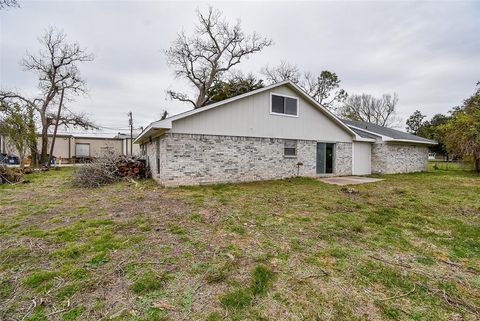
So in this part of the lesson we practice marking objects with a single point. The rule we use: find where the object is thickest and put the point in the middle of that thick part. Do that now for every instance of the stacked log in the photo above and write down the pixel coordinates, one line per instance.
(131, 167)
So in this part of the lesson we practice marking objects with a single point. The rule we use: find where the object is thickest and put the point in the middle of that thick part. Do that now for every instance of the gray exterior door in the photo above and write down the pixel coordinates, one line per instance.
(325, 157)
(321, 149)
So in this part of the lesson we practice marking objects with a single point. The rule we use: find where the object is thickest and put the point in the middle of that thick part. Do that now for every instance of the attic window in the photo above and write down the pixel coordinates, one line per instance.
(283, 105)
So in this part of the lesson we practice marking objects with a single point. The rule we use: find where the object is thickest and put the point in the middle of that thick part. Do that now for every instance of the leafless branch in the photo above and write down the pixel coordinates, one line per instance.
(9, 4)
(72, 119)
(365, 107)
(180, 97)
(324, 88)
(215, 47)
(284, 71)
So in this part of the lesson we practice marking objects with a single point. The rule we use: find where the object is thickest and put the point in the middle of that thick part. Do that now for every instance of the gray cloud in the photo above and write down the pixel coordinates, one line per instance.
(427, 52)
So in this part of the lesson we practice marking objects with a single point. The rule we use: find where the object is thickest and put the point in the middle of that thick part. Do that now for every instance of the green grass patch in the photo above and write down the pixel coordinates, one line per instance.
(6, 289)
(39, 278)
(148, 282)
(261, 282)
(73, 314)
(237, 299)
(98, 260)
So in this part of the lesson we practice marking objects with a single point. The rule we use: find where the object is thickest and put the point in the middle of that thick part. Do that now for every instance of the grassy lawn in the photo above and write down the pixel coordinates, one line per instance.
(407, 248)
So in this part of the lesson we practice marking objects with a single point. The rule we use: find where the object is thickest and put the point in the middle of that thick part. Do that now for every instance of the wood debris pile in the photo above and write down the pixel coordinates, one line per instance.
(131, 167)
(109, 169)
(10, 175)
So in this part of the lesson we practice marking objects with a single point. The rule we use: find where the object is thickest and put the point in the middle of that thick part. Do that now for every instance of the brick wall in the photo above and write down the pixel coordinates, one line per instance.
(188, 159)
(388, 158)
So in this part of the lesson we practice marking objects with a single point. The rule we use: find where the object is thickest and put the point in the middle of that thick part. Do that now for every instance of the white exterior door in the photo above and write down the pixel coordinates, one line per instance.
(82, 150)
(362, 158)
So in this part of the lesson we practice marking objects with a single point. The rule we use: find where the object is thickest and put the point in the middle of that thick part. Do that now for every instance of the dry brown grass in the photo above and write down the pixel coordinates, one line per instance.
(407, 248)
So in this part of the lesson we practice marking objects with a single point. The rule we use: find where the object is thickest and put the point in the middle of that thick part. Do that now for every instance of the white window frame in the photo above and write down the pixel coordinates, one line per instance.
(283, 114)
(296, 148)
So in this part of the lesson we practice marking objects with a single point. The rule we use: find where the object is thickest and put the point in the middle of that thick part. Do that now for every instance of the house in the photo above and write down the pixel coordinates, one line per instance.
(270, 133)
(70, 147)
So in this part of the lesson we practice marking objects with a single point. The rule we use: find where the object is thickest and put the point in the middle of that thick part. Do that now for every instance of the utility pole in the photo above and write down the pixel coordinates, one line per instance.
(130, 122)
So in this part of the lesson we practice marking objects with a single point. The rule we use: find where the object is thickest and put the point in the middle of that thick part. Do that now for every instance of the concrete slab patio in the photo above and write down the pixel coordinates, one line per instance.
(349, 180)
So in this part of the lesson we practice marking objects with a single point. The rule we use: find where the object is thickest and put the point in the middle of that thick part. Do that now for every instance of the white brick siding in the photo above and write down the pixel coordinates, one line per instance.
(188, 159)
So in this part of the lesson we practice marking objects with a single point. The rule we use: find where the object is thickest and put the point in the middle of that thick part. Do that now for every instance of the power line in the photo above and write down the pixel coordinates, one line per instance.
(87, 133)
(115, 128)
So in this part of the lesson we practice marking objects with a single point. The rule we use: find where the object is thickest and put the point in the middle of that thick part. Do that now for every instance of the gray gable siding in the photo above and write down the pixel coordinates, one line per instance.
(251, 117)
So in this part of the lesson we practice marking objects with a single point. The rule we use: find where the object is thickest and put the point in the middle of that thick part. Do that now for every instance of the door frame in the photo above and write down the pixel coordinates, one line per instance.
(334, 157)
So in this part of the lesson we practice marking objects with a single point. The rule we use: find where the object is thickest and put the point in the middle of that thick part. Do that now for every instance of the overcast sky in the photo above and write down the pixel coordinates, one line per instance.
(427, 52)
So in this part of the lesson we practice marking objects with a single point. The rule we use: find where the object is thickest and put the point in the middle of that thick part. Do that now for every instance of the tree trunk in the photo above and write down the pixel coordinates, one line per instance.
(43, 153)
(22, 161)
(52, 144)
(201, 98)
(32, 138)
(477, 164)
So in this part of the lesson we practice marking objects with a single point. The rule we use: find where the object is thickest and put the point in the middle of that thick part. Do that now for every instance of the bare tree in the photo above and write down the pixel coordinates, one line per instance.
(324, 88)
(8, 4)
(213, 49)
(284, 71)
(56, 66)
(365, 107)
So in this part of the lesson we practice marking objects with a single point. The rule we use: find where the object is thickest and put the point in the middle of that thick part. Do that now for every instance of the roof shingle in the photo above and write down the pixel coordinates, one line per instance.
(384, 131)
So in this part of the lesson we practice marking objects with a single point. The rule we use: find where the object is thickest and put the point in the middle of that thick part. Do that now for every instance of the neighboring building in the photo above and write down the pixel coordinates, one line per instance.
(128, 146)
(70, 148)
(271, 133)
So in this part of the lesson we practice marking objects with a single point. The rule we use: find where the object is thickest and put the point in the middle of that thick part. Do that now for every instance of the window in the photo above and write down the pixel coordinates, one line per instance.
(284, 105)
(290, 148)
(143, 150)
